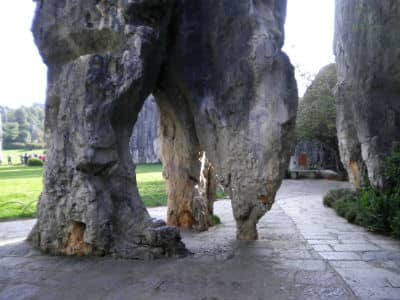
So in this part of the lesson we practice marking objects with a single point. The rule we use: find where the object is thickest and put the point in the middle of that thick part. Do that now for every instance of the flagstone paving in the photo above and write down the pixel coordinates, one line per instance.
(304, 251)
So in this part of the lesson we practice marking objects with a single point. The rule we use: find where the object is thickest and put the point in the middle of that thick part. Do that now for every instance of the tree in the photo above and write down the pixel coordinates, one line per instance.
(10, 132)
(316, 118)
(21, 116)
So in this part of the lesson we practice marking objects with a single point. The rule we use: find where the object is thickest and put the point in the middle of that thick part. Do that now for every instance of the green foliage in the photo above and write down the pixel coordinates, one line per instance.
(23, 125)
(377, 210)
(32, 162)
(316, 117)
(215, 220)
(14, 145)
(24, 136)
(392, 172)
(331, 196)
(10, 132)
(33, 146)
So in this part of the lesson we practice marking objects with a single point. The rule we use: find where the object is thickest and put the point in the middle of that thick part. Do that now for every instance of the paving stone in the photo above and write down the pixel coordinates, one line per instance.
(350, 264)
(386, 293)
(305, 251)
(340, 255)
(355, 247)
(323, 242)
(320, 248)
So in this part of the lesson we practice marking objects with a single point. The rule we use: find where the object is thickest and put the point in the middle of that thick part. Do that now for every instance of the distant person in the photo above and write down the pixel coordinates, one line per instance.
(26, 159)
(9, 160)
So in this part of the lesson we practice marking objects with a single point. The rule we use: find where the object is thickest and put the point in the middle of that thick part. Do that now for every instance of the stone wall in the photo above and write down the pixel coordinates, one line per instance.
(367, 49)
(144, 144)
(318, 156)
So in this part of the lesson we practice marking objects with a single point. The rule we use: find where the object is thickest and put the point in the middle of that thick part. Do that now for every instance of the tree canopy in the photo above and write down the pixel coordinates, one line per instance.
(23, 127)
(316, 118)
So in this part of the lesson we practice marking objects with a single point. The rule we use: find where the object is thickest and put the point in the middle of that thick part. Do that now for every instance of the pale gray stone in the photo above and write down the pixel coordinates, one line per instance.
(222, 84)
(368, 98)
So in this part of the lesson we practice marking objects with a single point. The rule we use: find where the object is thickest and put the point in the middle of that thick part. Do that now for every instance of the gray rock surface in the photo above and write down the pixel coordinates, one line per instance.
(319, 156)
(223, 86)
(367, 49)
(144, 144)
(228, 89)
(103, 61)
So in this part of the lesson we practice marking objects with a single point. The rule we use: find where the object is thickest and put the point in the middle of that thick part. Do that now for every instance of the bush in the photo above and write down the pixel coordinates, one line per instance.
(34, 162)
(14, 146)
(333, 195)
(34, 146)
(377, 210)
(215, 220)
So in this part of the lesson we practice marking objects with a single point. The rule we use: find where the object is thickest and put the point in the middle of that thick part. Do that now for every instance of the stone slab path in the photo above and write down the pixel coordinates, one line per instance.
(304, 252)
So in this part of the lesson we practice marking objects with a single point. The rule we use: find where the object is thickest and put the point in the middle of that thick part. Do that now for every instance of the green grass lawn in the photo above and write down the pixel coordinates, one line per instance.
(20, 187)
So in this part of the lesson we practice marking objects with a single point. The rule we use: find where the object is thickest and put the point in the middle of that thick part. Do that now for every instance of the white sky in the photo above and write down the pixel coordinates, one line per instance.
(309, 36)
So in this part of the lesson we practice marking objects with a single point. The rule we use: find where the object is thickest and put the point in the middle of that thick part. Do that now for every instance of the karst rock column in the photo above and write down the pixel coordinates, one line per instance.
(103, 60)
(367, 49)
(231, 91)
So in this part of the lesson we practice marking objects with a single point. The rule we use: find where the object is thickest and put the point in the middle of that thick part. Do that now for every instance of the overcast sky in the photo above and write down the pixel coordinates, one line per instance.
(309, 35)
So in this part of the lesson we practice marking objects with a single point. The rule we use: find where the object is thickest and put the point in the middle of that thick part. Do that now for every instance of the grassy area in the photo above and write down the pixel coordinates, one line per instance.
(16, 154)
(20, 187)
(151, 185)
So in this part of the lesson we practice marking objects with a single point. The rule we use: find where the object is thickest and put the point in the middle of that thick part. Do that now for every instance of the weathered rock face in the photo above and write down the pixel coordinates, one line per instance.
(318, 156)
(367, 49)
(103, 59)
(222, 84)
(227, 89)
(144, 144)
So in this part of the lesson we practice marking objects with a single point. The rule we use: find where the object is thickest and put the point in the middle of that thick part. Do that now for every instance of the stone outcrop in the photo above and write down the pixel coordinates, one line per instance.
(103, 60)
(227, 89)
(317, 156)
(368, 94)
(223, 87)
(144, 144)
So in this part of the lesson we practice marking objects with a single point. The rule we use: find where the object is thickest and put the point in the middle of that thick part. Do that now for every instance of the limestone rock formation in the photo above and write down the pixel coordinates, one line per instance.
(223, 86)
(144, 144)
(318, 156)
(367, 49)
(228, 89)
(103, 59)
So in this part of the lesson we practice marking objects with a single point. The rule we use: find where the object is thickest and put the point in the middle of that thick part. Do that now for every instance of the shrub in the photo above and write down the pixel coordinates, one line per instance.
(13, 146)
(215, 220)
(34, 162)
(34, 146)
(334, 195)
(377, 210)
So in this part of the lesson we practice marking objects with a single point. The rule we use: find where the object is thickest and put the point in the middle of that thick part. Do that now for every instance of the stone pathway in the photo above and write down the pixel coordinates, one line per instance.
(305, 252)
(369, 263)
